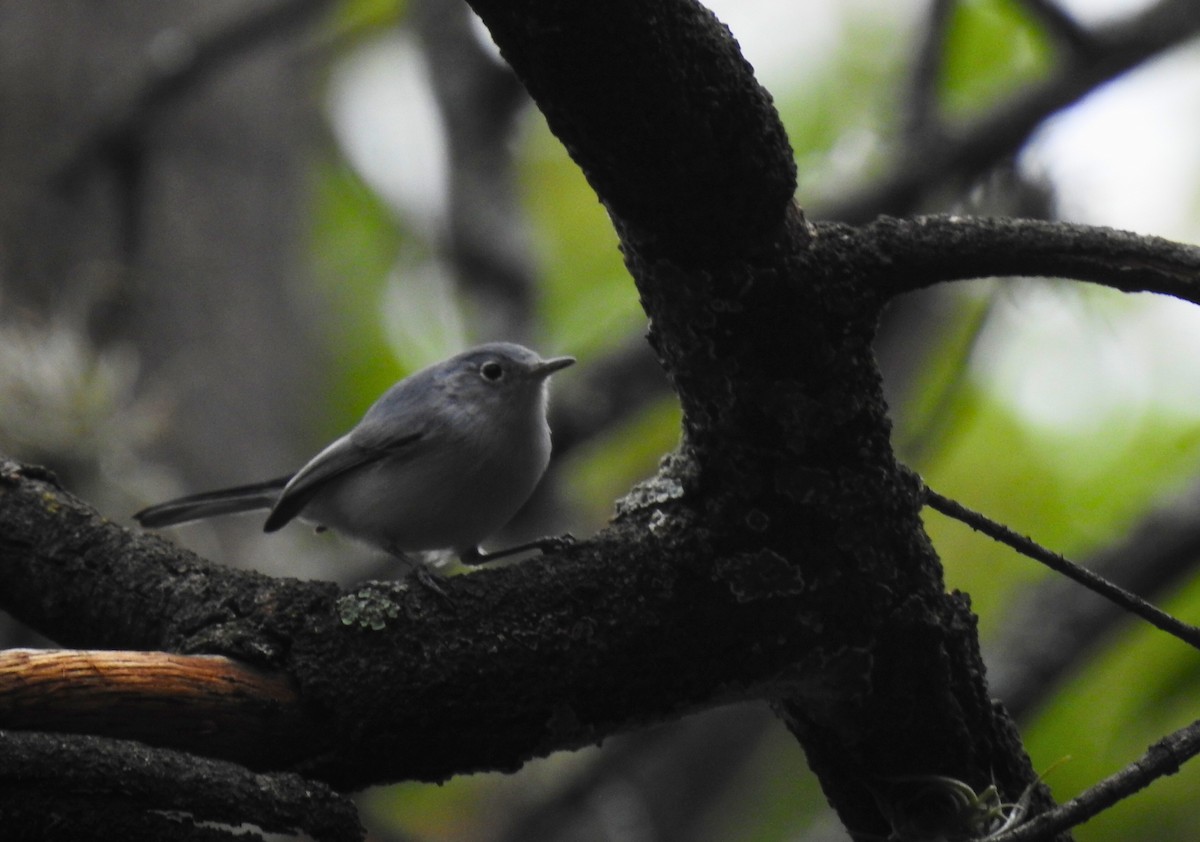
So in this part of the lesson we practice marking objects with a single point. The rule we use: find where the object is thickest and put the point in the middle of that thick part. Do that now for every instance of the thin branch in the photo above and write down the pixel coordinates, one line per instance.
(72, 765)
(1163, 758)
(1048, 632)
(926, 250)
(1130, 602)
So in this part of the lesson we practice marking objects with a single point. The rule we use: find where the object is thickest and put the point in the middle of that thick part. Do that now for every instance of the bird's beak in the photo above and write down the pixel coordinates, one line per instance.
(547, 367)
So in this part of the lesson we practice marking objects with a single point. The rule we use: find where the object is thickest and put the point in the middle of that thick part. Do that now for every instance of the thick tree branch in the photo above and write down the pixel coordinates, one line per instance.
(768, 346)
(203, 704)
(635, 627)
(664, 116)
(101, 775)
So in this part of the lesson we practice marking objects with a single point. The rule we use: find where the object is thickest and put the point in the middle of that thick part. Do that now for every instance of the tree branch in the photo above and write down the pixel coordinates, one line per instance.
(1163, 758)
(1097, 584)
(1051, 628)
(631, 628)
(662, 113)
(102, 774)
(778, 553)
(766, 337)
(927, 250)
(203, 704)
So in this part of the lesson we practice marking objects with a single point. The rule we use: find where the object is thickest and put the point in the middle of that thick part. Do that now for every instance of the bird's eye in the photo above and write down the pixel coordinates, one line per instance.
(491, 371)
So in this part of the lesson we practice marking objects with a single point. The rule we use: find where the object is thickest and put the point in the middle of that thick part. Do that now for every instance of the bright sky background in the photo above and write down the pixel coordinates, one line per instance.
(1128, 157)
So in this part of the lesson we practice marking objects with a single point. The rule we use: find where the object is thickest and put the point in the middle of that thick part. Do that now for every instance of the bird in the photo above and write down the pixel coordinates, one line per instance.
(441, 461)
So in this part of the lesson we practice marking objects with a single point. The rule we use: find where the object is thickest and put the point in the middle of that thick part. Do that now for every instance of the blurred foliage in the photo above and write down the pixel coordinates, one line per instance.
(1022, 476)
(589, 303)
(1143, 686)
(1075, 491)
(1071, 490)
(366, 15)
(606, 467)
(356, 242)
(841, 117)
(776, 798)
(993, 48)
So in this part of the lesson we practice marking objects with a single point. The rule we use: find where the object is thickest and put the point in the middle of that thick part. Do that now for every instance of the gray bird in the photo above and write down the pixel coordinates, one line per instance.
(441, 461)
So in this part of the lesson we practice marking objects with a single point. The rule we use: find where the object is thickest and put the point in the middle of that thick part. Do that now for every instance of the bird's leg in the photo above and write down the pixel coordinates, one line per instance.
(429, 581)
(475, 556)
(418, 570)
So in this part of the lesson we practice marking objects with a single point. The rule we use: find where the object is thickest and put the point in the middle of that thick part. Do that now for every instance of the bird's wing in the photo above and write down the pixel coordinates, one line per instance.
(348, 453)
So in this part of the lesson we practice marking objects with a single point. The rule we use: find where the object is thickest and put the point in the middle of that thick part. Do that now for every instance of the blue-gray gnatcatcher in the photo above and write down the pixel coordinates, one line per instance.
(442, 460)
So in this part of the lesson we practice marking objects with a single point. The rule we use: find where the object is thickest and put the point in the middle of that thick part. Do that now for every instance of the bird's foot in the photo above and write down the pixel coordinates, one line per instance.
(552, 543)
(431, 582)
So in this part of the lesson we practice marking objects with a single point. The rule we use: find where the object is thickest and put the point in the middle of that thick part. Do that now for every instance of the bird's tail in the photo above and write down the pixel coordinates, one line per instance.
(244, 498)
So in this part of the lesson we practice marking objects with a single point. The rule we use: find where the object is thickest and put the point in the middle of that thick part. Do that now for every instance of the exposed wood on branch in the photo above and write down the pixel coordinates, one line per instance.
(205, 704)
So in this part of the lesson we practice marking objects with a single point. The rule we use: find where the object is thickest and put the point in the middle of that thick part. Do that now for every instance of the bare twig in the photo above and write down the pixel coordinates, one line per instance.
(1161, 759)
(1130, 602)
(1048, 631)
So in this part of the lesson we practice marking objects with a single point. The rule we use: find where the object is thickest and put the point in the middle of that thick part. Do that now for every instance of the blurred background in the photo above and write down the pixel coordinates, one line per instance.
(227, 226)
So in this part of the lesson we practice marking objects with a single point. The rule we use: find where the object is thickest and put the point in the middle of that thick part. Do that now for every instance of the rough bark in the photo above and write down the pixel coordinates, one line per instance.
(777, 554)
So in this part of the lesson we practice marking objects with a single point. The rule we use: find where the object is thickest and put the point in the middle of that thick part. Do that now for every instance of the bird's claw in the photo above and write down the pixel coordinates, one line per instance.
(429, 582)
